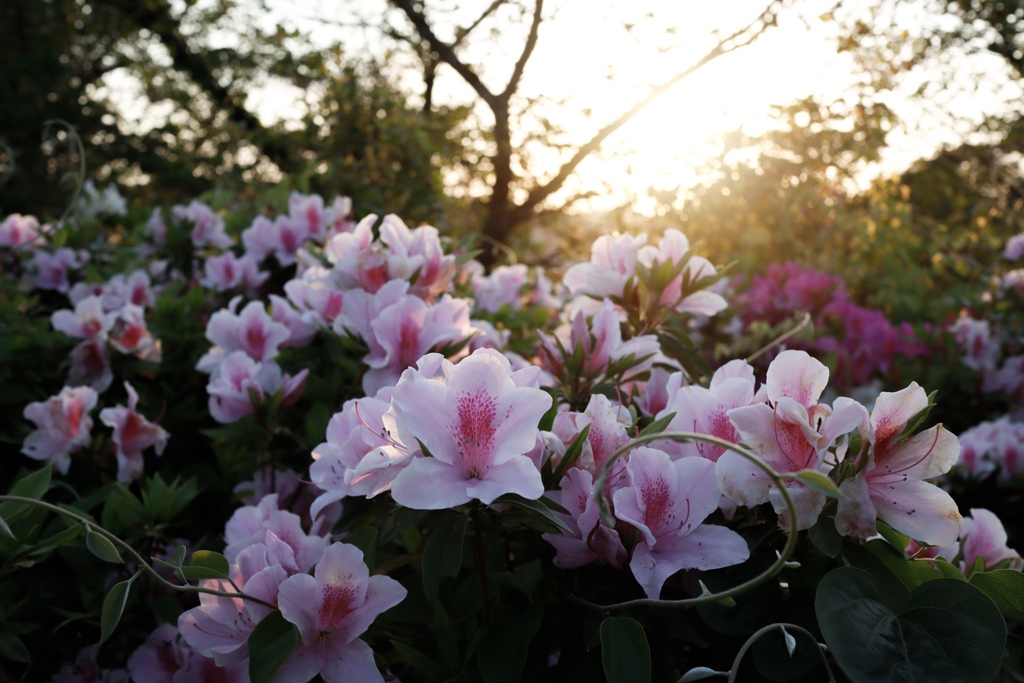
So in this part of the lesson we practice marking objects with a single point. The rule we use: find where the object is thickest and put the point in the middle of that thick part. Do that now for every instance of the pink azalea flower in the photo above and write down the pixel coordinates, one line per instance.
(129, 333)
(16, 230)
(62, 426)
(705, 411)
(358, 260)
(332, 609)
(590, 539)
(260, 238)
(291, 496)
(354, 433)
(658, 390)
(302, 326)
(984, 536)
(227, 271)
(791, 432)
(1014, 248)
(90, 364)
(230, 385)
(317, 295)
(318, 220)
(607, 434)
(667, 501)
(208, 225)
(50, 271)
(417, 252)
(892, 485)
(612, 264)
(980, 348)
(499, 288)
(252, 331)
(601, 344)
(543, 293)
(89, 320)
(279, 530)
(166, 658)
(132, 434)
(672, 248)
(220, 626)
(478, 421)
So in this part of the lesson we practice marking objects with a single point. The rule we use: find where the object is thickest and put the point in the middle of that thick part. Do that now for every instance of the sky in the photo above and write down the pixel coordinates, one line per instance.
(589, 66)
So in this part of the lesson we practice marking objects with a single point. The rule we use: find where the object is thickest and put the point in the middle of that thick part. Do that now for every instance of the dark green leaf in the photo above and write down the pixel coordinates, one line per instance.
(658, 425)
(32, 486)
(1005, 587)
(442, 554)
(101, 546)
(419, 661)
(365, 538)
(11, 646)
(269, 644)
(534, 507)
(5, 531)
(947, 630)
(572, 453)
(447, 641)
(207, 564)
(113, 606)
(625, 654)
(825, 537)
(504, 650)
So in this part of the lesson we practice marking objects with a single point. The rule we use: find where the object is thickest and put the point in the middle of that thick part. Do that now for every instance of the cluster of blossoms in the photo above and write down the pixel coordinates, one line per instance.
(993, 446)
(63, 428)
(645, 466)
(864, 341)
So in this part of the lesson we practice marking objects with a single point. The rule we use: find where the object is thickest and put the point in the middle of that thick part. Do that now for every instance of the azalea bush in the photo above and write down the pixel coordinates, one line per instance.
(299, 444)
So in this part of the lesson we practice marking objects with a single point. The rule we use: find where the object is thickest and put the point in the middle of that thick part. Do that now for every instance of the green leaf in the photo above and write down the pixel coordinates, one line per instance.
(101, 546)
(1005, 587)
(701, 673)
(207, 564)
(534, 507)
(447, 641)
(11, 646)
(824, 536)
(5, 531)
(895, 538)
(442, 554)
(505, 648)
(270, 644)
(365, 538)
(947, 630)
(658, 425)
(572, 453)
(625, 654)
(32, 486)
(813, 479)
(113, 606)
(427, 666)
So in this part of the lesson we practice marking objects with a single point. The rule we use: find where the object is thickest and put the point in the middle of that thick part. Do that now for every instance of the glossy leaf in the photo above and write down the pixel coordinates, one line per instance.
(270, 644)
(625, 654)
(32, 486)
(101, 546)
(947, 630)
(1005, 587)
(442, 554)
(207, 564)
(113, 606)
(534, 507)
(817, 481)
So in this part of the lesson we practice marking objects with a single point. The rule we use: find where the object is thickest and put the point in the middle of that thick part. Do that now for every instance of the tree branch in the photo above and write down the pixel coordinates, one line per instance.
(531, 42)
(741, 38)
(445, 51)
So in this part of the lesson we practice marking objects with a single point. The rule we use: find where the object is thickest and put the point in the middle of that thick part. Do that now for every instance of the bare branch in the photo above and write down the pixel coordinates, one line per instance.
(531, 42)
(741, 38)
(461, 33)
(445, 51)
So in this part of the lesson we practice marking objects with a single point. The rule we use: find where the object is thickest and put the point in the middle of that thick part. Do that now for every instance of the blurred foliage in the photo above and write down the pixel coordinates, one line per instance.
(191, 125)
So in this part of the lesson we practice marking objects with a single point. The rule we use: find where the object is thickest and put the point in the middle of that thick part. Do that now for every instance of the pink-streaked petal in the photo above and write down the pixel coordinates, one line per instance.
(299, 604)
(430, 484)
(922, 511)
(382, 593)
(894, 409)
(518, 475)
(856, 514)
(351, 663)
(742, 480)
(419, 401)
(796, 375)
(922, 456)
(305, 662)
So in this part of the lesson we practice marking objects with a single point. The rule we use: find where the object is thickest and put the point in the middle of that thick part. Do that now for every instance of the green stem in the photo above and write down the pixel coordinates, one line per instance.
(734, 671)
(609, 520)
(139, 560)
